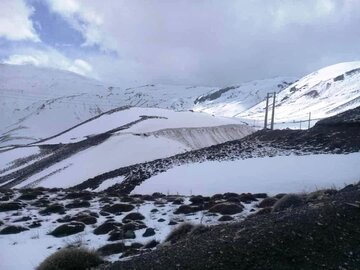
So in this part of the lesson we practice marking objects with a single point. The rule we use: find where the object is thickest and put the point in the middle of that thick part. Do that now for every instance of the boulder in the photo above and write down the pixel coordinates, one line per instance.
(11, 206)
(226, 218)
(13, 230)
(110, 249)
(226, 208)
(267, 202)
(118, 208)
(78, 204)
(107, 227)
(133, 216)
(68, 229)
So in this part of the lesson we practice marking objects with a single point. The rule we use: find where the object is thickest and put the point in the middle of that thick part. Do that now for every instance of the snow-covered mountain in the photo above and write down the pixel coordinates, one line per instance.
(323, 93)
(38, 102)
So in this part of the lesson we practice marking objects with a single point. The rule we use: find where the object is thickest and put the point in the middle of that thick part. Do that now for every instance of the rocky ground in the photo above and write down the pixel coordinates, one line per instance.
(319, 230)
(116, 226)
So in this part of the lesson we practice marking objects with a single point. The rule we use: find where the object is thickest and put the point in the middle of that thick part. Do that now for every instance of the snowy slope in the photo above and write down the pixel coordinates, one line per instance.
(324, 93)
(37, 102)
(230, 101)
(115, 139)
(302, 174)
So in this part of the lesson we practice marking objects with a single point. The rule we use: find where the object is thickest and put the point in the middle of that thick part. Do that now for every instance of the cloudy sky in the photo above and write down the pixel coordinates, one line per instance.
(202, 42)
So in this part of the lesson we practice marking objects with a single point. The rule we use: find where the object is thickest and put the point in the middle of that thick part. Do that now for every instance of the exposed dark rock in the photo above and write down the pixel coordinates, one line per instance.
(186, 209)
(247, 198)
(121, 234)
(279, 196)
(83, 195)
(197, 199)
(110, 249)
(260, 195)
(151, 244)
(226, 218)
(11, 206)
(136, 245)
(13, 229)
(68, 229)
(78, 204)
(149, 232)
(133, 216)
(35, 224)
(54, 208)
(134, 225)
(107, 227)
(178, 201)
(289, 200)
(28, 196)
(86, 219)
(118, 208)
(226, 208)
(339, 78)
(267, 202)
(172, 222)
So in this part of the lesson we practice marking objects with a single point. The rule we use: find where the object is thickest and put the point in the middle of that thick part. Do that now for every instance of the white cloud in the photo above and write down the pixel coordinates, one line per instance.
(216, 42)
(50, 58)
(15, 23)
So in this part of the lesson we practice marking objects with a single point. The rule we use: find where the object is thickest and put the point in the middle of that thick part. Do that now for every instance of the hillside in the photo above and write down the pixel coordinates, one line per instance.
(324, 93)
(324, 155)
(114, 139)
(33, 100)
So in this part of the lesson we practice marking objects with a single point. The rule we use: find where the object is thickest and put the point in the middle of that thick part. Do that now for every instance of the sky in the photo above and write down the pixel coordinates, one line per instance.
(183, 42)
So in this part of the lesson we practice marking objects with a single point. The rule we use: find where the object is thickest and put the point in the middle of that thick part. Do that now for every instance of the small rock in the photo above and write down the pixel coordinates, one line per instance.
(186, 209)
(54, 208)
(149, 232)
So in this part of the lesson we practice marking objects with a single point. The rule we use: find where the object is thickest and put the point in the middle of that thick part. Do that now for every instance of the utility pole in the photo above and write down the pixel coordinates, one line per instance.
(309, 120)
(273, 112)
(266, 110)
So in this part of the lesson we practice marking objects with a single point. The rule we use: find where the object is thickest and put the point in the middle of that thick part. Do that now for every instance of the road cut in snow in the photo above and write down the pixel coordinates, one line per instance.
(270, 174)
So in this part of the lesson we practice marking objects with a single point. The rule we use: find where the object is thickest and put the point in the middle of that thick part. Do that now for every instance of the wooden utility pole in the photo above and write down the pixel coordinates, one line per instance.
(309, 120)
(266, 110)
(273, 111)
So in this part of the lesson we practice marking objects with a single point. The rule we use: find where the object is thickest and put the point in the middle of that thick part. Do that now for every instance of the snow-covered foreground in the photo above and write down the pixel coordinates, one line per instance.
(281, 174)
(25, 250)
